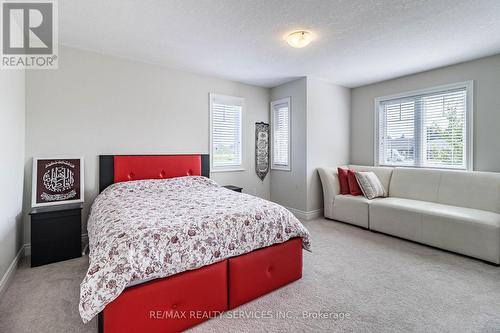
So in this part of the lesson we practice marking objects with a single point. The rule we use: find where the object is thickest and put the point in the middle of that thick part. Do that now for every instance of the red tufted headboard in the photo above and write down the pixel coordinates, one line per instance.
(120, 168)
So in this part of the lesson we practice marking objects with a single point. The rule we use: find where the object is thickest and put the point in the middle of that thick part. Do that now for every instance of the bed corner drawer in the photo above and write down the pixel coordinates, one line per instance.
(171, 304)
(259, 272)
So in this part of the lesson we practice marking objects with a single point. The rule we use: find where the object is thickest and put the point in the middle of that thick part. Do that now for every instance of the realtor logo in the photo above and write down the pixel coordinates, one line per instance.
(29, 34)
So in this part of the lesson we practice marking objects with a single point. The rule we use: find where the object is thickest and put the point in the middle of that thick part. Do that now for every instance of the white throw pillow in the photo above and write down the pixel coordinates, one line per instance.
(370, 184)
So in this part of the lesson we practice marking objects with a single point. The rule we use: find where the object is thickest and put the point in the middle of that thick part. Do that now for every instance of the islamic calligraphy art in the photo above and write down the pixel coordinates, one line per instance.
(57, 181)
(261, 149)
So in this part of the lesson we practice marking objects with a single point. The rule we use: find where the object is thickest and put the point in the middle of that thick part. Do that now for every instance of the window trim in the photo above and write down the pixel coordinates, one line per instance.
(469, 126)
(288, 167)
(236, 100)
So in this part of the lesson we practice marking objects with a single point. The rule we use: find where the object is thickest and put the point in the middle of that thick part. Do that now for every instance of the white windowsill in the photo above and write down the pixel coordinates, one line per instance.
(423, 167)
(228, 170)
(281, 169)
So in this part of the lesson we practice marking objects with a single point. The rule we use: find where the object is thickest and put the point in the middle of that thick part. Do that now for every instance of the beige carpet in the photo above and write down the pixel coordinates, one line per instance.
(384, 284)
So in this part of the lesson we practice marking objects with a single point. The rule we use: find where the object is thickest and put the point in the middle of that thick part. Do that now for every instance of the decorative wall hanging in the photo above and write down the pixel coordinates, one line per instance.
(261, 149)
(57, 181)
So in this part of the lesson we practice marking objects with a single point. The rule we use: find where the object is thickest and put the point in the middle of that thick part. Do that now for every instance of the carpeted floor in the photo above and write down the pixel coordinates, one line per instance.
(376, 282)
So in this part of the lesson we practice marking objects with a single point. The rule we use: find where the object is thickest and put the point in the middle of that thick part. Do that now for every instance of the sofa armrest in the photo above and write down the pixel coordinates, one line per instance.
(331, 188)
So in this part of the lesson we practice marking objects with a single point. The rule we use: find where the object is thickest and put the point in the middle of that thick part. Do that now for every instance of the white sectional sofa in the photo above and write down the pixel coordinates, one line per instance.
(454, 210)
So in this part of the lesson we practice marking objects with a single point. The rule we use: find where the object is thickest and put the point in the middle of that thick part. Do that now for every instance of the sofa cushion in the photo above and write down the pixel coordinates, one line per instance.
(353, 183)
(416, 184)
(472, 232)
(398, 217)
(351, 209)
(384, 174)
(370, 184)
(479, 190)
(464, 230)
(343, 180)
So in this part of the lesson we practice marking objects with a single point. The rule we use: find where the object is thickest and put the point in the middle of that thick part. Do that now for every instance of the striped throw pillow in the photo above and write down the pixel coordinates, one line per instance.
(370, 184)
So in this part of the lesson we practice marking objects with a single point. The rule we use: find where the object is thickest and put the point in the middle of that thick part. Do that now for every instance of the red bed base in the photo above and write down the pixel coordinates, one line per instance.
(175, 303)
(181, 301)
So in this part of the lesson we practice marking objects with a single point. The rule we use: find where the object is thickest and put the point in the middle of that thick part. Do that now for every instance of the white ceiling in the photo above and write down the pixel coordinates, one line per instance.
(358, 41)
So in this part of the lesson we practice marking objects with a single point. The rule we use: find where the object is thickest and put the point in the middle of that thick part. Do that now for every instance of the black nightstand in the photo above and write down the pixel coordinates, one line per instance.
(56, 233)
(233, 188)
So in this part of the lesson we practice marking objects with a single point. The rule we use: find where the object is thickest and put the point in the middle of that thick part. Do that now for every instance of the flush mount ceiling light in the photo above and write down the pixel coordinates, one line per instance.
(299, 38)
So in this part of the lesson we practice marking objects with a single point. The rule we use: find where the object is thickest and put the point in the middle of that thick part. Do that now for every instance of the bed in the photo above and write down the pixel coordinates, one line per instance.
(169, 248)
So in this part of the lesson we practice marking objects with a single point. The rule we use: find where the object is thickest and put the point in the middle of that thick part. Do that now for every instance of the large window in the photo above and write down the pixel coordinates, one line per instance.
(429, 128)
(280, 127)
(226, 133)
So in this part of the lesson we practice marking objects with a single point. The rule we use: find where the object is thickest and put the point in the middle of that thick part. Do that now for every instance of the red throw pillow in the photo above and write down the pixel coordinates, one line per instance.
(353, 183)
(344, 183)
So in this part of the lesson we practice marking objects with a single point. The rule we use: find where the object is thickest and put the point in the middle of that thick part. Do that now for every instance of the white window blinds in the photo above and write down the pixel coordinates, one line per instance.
(428, 129)
(280, 118)
(226, 132)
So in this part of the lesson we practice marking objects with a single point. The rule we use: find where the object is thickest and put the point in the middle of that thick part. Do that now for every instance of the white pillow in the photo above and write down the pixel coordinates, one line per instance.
(370, 184)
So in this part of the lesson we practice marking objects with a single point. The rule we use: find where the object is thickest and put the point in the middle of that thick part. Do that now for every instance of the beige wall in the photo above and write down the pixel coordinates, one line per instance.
(288, 188)
(320, 136)
(12, 136)
(96, 104)
(486, 75)
(328, 113)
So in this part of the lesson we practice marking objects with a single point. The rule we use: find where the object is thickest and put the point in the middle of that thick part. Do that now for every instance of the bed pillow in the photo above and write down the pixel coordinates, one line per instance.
(344, 183)
(370, 185)
(353, 183)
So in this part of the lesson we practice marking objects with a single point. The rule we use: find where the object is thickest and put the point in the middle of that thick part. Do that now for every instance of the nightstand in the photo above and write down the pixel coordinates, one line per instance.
(233, 188)
(56, 233)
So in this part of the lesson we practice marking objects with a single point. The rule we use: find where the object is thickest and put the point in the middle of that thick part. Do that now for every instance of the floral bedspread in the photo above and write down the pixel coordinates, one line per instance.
(149, 229)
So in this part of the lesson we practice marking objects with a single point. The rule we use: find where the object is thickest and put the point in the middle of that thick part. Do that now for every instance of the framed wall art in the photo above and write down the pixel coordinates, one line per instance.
(57, 181)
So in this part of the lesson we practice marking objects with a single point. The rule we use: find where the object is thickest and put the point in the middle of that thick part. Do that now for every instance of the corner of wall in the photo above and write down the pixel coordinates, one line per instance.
(13, 131)
(328, 133)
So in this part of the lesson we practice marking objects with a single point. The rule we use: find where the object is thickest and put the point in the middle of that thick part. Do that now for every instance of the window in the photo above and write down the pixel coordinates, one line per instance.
(226, 133)
(430, 128)
(280, 121)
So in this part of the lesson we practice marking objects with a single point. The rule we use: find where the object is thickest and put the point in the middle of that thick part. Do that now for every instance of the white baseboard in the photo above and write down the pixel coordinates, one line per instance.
(27, 246)
(10, 271)
(24, 251)
(300, 214)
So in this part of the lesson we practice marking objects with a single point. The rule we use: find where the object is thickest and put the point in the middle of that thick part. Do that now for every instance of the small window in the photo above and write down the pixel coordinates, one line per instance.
(226, 133)
(280, 122)
(430, 128)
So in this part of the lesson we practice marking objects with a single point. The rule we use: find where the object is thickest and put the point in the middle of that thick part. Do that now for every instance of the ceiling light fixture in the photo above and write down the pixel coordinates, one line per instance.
(299, 38)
